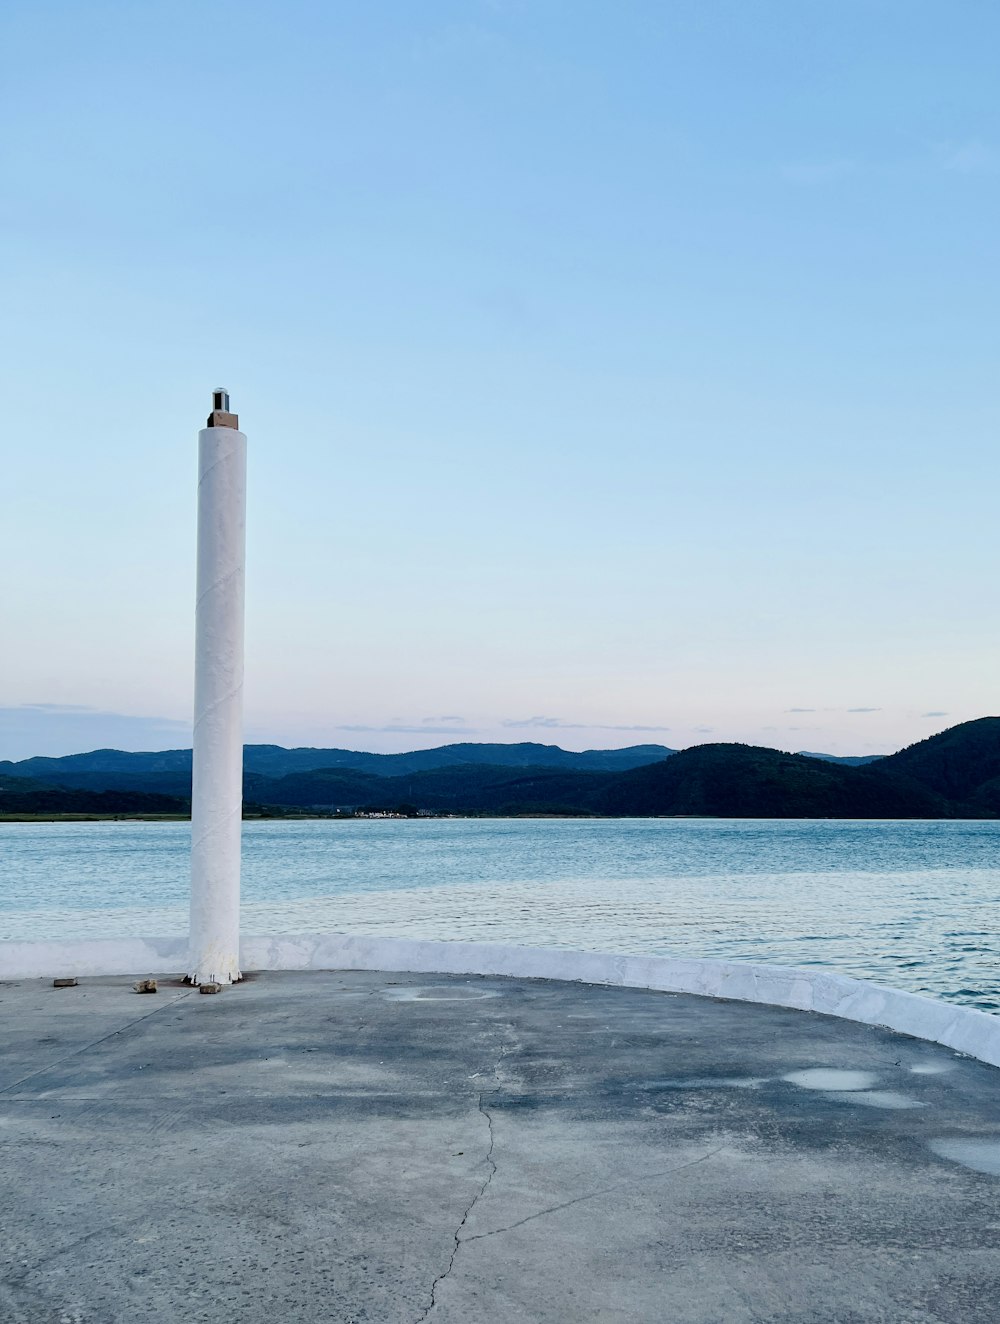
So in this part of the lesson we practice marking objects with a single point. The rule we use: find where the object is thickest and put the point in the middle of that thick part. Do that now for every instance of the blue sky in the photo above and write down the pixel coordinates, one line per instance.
(611, 372)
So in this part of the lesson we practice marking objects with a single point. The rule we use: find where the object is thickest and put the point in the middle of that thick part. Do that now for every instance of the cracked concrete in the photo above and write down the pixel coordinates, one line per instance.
(492, 1167)
(379, 1147)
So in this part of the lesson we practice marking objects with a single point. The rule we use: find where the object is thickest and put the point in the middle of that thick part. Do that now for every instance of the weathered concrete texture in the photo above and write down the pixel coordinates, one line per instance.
(377, 1147)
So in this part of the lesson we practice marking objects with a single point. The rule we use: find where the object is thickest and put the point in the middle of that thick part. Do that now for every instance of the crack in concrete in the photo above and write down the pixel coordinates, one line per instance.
(593, 1195)
(459, 1240)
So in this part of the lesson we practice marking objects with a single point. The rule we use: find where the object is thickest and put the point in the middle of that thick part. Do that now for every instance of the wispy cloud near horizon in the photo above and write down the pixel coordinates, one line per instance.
(558, 724)
(404, 728)
(57, 708)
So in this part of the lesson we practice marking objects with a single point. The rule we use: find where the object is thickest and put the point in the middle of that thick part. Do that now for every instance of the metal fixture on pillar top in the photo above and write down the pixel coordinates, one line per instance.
(217, 760)
(220, 417)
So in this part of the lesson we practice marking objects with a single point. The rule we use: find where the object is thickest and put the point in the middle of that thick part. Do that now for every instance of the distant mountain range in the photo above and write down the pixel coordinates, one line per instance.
(955, 774)
(276, 761)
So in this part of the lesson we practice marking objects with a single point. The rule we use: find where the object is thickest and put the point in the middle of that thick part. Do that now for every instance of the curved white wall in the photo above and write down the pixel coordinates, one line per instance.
(968, 1031)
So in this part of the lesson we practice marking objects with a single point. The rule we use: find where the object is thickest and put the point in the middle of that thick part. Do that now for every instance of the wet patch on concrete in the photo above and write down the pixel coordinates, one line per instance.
(981, 1155)
(703, 1083)
(830, 1078)
(439, 993)
(875, 1099)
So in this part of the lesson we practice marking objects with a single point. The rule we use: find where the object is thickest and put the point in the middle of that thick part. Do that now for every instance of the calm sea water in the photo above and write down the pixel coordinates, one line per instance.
(908, 904)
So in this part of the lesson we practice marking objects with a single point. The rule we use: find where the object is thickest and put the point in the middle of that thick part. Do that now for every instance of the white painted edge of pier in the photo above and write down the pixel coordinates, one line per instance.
(964, 1029)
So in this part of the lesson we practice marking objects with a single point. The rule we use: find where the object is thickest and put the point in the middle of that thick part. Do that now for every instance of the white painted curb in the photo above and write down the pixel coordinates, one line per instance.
(964, 1029)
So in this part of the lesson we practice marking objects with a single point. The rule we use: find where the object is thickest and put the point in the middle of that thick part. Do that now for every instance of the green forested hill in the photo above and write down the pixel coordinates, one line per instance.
(746, 781)
(469, 789)
(954, 774)
(961, 764)
(24, 796)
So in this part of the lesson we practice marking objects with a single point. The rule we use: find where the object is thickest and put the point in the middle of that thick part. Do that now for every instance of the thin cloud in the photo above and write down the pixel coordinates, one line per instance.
(864, 710)
(430, 721)
(401, 728)
(59, 708)
(800, 710)
(550, 723)
(557, 724)
(934, 714)
(630, 728)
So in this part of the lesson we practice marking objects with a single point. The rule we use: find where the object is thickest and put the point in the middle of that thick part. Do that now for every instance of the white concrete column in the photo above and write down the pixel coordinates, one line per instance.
(217, 773)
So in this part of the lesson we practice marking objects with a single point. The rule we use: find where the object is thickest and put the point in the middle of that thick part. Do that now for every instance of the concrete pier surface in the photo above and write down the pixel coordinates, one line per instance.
(345, 1146)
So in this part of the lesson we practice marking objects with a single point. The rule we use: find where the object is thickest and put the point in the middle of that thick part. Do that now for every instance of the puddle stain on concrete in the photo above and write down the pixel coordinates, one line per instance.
(442, 993)
(979, 1155)
(828, 1078)
(704, 1083)
(875, 1098)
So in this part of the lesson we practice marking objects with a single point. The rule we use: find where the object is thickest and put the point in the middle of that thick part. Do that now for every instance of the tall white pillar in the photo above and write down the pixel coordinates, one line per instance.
(217, 774)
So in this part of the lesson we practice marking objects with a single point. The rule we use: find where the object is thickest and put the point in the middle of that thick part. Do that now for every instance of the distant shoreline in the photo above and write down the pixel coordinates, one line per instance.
(95, 818)
(306, 818)
(505, 818)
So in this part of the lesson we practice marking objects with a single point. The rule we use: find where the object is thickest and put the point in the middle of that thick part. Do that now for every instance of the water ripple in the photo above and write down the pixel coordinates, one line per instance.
(906, 904)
